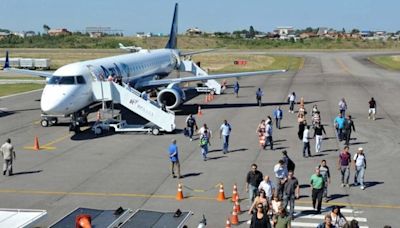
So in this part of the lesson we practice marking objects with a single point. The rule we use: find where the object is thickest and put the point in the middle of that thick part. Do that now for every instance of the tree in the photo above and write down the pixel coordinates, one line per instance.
(46, 28)
(355, 31)
(308, 29)
(252, 33)
(343, 31)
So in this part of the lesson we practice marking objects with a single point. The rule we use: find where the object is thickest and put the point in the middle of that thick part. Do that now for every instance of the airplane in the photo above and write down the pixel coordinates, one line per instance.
(68, 90)
(129, 48)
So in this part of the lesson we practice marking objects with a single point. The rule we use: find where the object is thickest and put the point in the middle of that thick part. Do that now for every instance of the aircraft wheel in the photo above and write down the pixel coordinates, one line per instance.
(155, 131)
(44, 122)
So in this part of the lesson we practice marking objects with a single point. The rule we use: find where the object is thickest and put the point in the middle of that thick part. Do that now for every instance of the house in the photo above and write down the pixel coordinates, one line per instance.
(59, 32)
(284, 30)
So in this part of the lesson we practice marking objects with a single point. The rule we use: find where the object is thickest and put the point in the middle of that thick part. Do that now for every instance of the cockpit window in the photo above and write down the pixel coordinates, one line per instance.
(80, 79)
(65, 80)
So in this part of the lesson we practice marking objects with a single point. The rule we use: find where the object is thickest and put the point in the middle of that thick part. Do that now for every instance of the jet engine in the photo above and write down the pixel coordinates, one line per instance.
(172, 96)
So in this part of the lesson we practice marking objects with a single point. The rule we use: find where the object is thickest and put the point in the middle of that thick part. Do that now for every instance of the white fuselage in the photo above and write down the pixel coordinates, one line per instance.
(70, 88)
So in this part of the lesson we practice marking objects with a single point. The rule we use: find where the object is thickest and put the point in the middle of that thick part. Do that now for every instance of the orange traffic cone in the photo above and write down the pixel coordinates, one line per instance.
(234, 218)
(36, 144)
(83, 221)
(206, 99)
(179, 194)
(235, 195)
(228, 223)
(234, 208)
(238, 210)
(221, 194)
(199, 112)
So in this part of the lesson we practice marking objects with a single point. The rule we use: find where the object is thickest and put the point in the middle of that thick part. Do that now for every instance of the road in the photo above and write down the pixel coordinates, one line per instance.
(132, 170)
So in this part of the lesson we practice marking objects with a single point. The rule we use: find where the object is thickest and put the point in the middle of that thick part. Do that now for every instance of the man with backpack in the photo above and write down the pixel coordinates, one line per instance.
(360, 164)
(191, 125)
(204, 143)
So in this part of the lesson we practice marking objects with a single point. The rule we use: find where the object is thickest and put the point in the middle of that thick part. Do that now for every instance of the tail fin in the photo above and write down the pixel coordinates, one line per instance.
(172, 42)
(7, 62)
(121, 45)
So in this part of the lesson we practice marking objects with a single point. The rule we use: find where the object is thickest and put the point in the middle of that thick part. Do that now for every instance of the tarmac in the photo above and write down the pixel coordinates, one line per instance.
(133, 170)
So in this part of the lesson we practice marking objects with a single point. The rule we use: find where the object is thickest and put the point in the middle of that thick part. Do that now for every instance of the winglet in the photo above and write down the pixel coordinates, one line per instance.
(7, 62)
(172, 42)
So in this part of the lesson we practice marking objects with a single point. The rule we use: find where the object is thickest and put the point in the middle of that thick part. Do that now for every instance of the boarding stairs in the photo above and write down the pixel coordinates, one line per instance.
(132, 100)
(211, 84)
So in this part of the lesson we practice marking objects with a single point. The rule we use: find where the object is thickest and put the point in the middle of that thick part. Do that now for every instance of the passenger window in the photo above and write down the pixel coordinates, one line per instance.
(80, 80)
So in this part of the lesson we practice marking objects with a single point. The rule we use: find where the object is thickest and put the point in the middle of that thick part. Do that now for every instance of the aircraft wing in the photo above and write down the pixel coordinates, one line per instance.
(195, 52)
(43, 74)
(162, 82)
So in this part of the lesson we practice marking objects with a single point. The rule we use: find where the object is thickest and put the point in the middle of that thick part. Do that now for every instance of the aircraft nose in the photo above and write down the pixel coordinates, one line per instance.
(55, 99)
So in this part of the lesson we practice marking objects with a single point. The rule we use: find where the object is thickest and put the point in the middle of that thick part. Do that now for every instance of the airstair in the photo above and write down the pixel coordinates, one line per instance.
(132, 100)
(211, 84)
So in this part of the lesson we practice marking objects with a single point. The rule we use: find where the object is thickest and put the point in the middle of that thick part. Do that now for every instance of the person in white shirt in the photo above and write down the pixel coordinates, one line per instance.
(292, 100)
(203, 129)
(281, 174)
(268, 135)
(225, 131)
(306, 142)
(360, 164)
(268, 186)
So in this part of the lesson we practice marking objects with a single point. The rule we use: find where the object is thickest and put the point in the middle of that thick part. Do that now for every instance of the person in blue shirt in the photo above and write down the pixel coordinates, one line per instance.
(339, 126)
(236, 88)
(174, 158)
(278, 115)
(259, 95)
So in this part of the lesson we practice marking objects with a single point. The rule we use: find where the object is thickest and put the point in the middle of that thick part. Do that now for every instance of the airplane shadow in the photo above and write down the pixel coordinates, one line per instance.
(27, 172)
(187, 109)
(6, 113)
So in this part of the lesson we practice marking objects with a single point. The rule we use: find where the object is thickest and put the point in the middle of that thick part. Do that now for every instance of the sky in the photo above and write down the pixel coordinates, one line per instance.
(155, 16)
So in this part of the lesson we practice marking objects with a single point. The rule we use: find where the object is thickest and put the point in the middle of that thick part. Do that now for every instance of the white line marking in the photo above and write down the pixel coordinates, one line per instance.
(17, 94)
(305, 224)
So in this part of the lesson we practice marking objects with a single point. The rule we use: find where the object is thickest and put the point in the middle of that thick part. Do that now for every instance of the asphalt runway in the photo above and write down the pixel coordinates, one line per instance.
(133, 170)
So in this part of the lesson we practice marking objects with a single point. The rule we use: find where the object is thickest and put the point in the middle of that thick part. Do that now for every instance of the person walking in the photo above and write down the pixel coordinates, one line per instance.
(278, 115)
(290, 165)
(236, 88)
(348, 126)
(253, 180)
(204, 143)
(291, 191)
(318, 131)
(372, 109)
(260, 219)
(327, 223)
(344, 166)
(306, 142)
(291, 100)
(225, 131)
(268, 135)
(342, 107)
(360, 164)
(317, 183)
(174, 158)
(268, 187)
(8, 154)
(191, 126)
(281, 174)
(282, 220)
(261, 129)
(259, 94)
(339, 126)
(338, 220)
(324, 170)
(302, 124)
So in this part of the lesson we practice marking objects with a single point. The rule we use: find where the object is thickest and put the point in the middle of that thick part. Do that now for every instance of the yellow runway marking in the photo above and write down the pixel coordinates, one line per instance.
(49, 146)
(301, 64)
(135, 195)
(343, 66)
